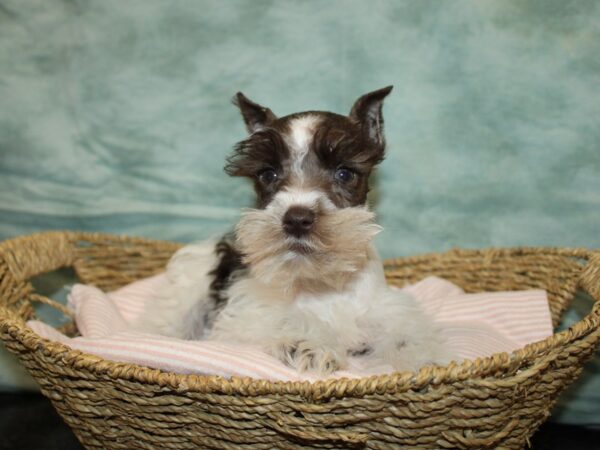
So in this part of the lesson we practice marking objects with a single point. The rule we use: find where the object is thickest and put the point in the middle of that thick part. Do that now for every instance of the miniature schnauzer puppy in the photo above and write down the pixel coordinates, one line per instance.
(300, 277)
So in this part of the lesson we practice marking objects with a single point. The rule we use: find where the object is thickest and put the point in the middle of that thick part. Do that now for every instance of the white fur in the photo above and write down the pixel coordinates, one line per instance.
(298, 140)
(292, 196)
(179, 308)
(309, 331)
(321, 328)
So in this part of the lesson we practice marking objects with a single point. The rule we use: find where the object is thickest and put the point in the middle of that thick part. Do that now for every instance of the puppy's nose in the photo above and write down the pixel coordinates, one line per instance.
(298, 221)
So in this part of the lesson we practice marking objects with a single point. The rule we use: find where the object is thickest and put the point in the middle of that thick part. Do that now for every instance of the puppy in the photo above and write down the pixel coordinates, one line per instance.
(300, 277)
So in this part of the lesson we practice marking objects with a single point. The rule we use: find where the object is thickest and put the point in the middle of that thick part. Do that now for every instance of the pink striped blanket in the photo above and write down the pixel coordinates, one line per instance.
(473, 325)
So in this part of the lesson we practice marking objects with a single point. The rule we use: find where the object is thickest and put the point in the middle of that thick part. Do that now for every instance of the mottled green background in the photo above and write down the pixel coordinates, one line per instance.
(116, 116)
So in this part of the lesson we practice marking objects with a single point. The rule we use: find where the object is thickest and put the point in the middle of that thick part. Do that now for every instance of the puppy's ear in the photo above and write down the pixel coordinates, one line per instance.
(255, 116)
(367, 112)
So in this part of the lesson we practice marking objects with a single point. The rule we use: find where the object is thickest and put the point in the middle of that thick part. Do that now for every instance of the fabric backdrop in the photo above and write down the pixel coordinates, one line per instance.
(116, 116)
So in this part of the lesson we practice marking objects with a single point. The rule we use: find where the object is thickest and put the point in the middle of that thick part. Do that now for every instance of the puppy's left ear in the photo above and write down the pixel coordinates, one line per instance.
(255, 116)
(367, 112)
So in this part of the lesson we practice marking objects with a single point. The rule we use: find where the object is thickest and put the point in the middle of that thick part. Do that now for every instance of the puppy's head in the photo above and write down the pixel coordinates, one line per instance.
(311, 226)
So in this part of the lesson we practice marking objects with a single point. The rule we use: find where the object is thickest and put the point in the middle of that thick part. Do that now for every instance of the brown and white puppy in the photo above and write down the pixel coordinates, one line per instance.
(300, 277)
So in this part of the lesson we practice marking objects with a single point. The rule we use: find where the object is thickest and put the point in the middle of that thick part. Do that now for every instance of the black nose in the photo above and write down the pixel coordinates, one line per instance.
(298, 221)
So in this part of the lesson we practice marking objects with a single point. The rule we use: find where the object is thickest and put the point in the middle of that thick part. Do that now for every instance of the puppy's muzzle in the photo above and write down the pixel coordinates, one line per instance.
(298, 221)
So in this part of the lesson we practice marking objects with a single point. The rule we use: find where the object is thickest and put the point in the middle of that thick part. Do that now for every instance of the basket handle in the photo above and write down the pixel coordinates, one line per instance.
(58, 306)
(24, 257)
(468, 439)
(590, 277)
(27, 256)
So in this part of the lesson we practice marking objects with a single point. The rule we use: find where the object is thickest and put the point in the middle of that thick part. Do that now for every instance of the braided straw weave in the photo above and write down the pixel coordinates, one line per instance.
(496, 402)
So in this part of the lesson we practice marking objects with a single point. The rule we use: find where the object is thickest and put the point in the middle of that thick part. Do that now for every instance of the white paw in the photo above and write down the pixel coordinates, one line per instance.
(306, 356)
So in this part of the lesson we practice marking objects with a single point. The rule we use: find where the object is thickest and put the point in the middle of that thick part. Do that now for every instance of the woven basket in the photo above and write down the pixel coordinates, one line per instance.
(495, 402)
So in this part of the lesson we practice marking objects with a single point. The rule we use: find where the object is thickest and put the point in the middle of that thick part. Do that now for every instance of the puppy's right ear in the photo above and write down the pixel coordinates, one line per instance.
(367, 112)
(255, 116)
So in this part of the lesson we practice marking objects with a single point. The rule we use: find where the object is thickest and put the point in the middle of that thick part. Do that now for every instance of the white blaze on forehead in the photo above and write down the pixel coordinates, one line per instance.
(302, 130)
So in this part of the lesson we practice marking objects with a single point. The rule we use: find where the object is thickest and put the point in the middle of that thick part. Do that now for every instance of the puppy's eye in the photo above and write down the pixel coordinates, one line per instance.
(344, 175)
(267, 176)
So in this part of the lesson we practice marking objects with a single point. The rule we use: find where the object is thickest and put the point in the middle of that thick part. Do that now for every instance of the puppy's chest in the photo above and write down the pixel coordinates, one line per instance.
(339, 311)
(333, 308)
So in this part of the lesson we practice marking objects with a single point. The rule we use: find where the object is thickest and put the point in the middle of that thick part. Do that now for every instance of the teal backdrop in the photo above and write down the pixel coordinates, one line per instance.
(116, 116)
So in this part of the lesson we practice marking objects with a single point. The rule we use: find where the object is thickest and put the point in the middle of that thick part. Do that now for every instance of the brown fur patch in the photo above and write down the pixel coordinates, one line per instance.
(264, 149)
(337, 143)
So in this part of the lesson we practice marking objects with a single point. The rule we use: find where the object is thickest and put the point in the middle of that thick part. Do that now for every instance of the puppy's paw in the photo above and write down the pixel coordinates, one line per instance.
(306, 356)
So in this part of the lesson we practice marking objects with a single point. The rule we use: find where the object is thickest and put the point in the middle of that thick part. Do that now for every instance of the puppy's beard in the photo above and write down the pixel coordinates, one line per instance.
(336, 249)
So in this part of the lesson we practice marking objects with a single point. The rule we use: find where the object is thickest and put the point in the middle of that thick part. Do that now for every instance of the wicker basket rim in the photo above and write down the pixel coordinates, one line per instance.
(15, 326)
